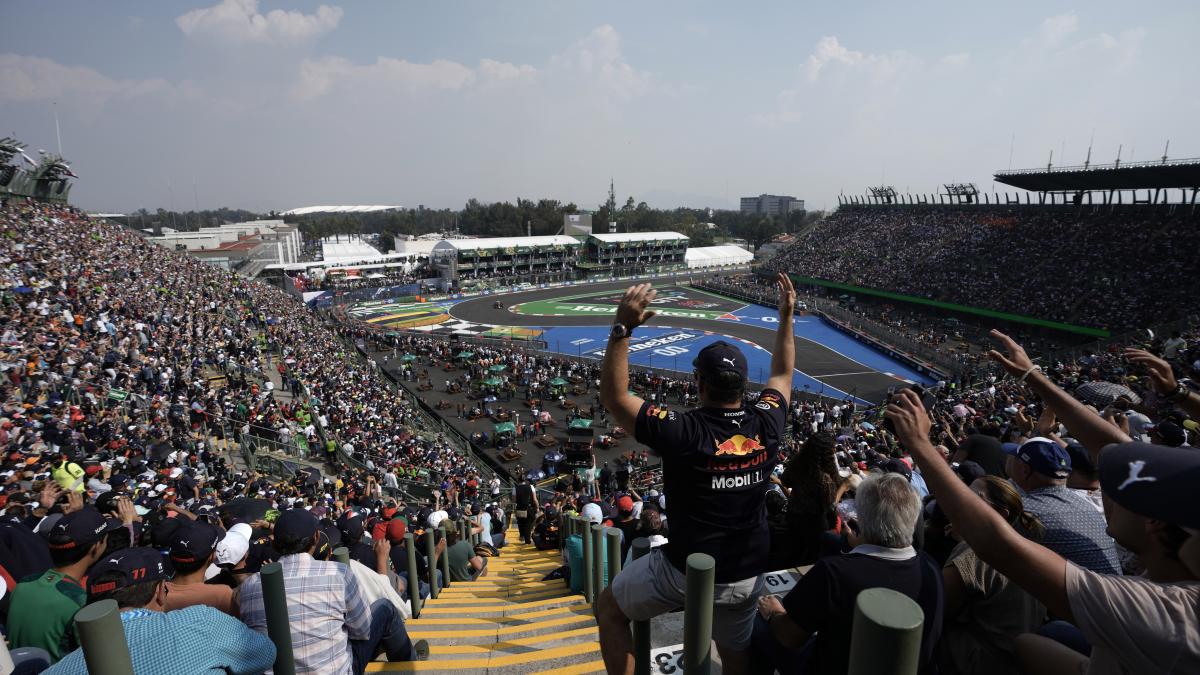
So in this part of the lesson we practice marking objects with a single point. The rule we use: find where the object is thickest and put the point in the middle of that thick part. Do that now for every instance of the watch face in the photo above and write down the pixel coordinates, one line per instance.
(619, 330)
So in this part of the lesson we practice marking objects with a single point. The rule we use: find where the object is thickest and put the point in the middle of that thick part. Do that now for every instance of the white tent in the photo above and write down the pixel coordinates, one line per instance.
(717, 256)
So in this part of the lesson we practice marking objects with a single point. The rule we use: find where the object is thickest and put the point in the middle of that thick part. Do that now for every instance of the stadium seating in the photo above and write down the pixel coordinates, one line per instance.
(1101, 270)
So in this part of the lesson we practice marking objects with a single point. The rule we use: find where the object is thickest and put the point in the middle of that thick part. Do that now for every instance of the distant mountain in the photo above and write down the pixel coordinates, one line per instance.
(670, 199)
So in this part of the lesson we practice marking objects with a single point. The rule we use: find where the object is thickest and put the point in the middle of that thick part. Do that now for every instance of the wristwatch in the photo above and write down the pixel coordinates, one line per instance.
(620, 331)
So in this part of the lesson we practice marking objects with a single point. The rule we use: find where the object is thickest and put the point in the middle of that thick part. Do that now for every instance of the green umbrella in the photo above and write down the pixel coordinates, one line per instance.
(498, 368)
(558, 382)
(505, 426)
(580, 423)
(408, 357)
(493, 382)
(465, 355)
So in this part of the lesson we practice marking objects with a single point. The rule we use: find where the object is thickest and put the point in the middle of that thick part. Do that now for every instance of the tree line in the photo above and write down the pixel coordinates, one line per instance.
(505, 219)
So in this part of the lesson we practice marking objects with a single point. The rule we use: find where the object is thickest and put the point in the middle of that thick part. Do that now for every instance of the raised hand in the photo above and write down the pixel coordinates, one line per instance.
(909, 418)
(787, 295)
(632, 311)
(1015, 360)
(1159, 370)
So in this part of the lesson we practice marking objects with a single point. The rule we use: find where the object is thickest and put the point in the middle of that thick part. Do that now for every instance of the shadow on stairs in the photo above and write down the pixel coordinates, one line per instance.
(510, 621)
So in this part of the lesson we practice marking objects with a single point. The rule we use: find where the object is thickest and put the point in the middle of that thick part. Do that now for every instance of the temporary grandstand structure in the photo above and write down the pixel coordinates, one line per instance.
(725, 255)
(634, 251)
(534, 259)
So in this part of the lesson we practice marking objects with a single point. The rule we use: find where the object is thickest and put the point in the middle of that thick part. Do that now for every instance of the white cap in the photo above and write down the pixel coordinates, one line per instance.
(244, 530)
(592, 513)
(436, 518)
(232, 549)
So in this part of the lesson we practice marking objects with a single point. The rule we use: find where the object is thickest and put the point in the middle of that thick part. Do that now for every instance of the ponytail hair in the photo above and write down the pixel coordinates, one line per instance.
(1032, 527)
(1004, 498)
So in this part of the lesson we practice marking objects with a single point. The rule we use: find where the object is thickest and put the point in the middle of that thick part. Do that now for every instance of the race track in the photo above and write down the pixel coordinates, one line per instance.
(835, 371)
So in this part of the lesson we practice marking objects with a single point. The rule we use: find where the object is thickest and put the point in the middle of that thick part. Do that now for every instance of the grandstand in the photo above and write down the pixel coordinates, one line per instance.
(638, 252)
(532, 259)
(1103, 235)
(46, 180)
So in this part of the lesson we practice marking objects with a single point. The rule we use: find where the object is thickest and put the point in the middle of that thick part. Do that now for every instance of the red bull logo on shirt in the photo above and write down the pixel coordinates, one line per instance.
(739, 445)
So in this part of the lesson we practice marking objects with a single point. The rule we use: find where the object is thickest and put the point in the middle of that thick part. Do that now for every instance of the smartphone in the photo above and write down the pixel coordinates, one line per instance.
(928, 400)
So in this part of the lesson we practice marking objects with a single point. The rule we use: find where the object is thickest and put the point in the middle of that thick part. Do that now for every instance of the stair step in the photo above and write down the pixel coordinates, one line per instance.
(491, 661)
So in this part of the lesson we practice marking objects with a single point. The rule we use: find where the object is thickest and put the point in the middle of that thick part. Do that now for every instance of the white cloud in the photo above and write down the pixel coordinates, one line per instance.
(320, 76)
(1057, 28)
(599, 57)
(33, 78)
(499, 70)
(956, 60)
(239, 21)
(830, 52)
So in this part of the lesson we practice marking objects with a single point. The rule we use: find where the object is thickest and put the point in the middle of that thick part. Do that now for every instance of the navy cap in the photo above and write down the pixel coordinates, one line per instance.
(83, 528)
(899, 466)
(194, 542)
(1155, 481)
(1044, 456)
(297, 524)
(720, 357)
(970, 471)
(135, 566)
(1171, 434)
(1081, 460)
(351, 526)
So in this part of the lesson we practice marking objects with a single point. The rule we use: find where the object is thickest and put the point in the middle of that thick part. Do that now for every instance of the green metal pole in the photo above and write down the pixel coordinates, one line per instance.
(431, 564)
(612, 536)
(445, 559)
(886, 638)
(414, 581)
(641, 629)
(279, 627)
(589, 593)
(698, 614)
(597, 559)
(103, 639)
(342, 555)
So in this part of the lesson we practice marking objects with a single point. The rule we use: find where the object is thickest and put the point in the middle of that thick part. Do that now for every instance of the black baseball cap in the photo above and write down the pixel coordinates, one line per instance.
(82, 528)
(194, 542)
(1154, 481)
(351, 526)
(297, 524)
(720, 357)
(136, 565)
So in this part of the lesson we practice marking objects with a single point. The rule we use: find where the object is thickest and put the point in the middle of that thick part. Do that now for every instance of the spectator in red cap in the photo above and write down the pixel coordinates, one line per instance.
(626, 523)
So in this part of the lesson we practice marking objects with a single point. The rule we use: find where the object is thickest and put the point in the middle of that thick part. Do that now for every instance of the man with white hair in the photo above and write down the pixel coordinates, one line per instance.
(823, 600)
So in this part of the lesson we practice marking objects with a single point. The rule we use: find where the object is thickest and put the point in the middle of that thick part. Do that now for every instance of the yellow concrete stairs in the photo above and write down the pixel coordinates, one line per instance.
(510, 621)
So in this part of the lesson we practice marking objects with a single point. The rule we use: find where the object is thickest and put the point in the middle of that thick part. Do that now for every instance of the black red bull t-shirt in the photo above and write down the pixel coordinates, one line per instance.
(716, 466)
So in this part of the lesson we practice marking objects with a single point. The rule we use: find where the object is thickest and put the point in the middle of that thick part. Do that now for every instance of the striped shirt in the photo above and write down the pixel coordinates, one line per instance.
(326, 608)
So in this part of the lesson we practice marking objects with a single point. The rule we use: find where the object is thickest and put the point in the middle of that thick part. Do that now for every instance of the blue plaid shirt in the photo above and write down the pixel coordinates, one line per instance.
(197, 639)
(326, 608)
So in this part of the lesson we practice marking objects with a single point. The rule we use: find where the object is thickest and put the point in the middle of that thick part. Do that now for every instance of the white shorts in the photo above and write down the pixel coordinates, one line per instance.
(651, 585)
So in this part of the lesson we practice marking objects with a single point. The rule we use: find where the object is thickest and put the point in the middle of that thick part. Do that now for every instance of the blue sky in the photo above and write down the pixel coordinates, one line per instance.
(274, 105)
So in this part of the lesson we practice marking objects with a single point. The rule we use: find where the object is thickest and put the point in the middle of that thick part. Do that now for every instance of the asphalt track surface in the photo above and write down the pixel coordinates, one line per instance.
(813, 358)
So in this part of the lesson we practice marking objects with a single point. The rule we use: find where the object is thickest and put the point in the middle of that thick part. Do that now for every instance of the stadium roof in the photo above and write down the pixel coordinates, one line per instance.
(505, 242)
(1183, 173)
(362, 208)
(637, 236)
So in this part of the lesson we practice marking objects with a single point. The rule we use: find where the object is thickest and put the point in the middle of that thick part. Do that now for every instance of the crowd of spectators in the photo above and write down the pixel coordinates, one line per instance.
(1101, 270)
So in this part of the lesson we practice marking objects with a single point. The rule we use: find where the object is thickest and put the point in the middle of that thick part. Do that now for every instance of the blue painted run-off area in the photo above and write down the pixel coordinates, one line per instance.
(674, 348)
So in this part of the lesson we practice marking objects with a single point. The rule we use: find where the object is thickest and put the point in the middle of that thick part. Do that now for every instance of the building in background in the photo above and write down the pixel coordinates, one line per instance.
(772, 205)
(246, 248)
